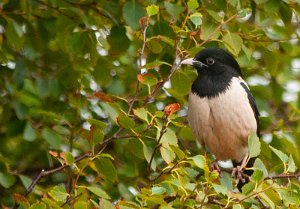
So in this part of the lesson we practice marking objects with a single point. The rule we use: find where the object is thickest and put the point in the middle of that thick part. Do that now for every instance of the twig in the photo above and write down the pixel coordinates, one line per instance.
(162, 132)
(144, 26)
(44, 173)
(97, 149)
(166, 171)
(217, 29)
(283, 176)
(175, 66)
(71, 199)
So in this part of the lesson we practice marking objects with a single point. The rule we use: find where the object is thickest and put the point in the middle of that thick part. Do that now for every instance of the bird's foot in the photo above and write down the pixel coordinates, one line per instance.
(215, 167)
(238, 173)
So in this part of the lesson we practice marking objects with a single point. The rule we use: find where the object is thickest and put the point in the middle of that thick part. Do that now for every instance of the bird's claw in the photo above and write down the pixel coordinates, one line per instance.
(215, 167)
(238, 173)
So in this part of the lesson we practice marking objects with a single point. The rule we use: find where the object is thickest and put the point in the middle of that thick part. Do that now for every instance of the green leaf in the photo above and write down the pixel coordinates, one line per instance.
(152, 10)
(291, 165)
(141, 113)
(29, 133)
(174, 9)
(53, 138)
(62, 130)
(28, 99)
(257, 176)
(105, 168)
(167, 153)
(253, 145)
(158, 190)
(21, 110)
(247, 52)
(273, 195)
(220, 189)
(136, 148)
(215, 15)
(69, 158)
(192, 4)
(168, 138)
(105, 204)
(243, 13)
(154, 46)
(25, 181)
(209, 31)
(181, 83)
(132, 12)
(233, 43)
(98, 191)
(118, 40)
(7, 180)
(226, 181)
(147, 79)
(81, 205)
(100, 124)
(167, 40)
(248, 188)
(155, 64)
(258, 164)
(199, 161)
(196, 18)
(179, 153)
(59, 193)
(125, 121)
(290, 197)
(283, 157)
(38, 205)
(260, 1)
(269, 201)
(14, 34)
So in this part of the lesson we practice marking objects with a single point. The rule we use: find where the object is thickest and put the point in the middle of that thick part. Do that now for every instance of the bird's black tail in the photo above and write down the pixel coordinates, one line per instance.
(249, 172)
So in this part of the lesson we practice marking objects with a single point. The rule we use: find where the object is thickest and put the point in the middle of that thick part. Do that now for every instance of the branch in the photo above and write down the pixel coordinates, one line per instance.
(144, 22)
(97, 149)
(162, 132)
(175, 66)
(44, 173)
(217, 29)
(283, 176)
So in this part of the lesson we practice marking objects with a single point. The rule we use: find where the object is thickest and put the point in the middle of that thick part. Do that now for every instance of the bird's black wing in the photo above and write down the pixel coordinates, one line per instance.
(253, 105)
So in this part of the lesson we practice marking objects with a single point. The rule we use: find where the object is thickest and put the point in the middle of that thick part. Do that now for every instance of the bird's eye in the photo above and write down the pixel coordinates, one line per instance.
(210, 61)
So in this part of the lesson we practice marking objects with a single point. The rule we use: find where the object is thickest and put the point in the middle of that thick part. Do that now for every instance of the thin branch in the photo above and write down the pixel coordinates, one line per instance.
(158, 145)
(144, 26)
(69, 200)
(283, 176)
(97, 149)
(217, 29)
(175, 66)
(167, 171)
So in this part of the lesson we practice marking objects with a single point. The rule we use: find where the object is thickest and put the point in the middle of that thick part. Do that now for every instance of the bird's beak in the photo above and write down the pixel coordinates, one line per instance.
(191, 61)
(188, 61)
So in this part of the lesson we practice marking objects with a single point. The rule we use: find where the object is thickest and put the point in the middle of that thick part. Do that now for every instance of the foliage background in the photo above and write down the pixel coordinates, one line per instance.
(83, 88)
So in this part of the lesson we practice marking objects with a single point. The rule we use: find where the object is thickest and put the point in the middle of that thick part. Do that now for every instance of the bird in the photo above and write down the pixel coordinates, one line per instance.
(222, 111)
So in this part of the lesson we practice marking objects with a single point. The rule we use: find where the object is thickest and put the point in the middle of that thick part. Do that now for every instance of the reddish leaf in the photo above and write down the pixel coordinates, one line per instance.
(144, 22)
(171, 108)
(102, 96)
(53, 153)
(20, 198)
(147, 79)
(91, 132)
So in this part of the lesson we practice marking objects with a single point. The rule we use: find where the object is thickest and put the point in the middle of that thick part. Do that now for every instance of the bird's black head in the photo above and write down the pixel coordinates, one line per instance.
(214, 61)
(216, 68)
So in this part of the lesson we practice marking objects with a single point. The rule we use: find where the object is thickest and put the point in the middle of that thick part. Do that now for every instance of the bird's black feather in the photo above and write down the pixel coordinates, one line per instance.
(253, 106)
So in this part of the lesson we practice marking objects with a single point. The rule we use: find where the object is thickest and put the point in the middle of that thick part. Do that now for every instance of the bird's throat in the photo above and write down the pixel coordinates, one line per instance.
(211, 86)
